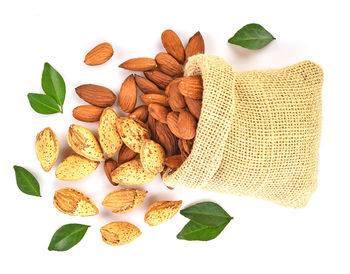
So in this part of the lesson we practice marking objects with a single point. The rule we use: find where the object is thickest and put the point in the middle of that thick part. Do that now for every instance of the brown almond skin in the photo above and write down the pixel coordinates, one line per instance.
(183, 152)
(96, 95)
(151, 122)
(158, 112)
(195, 45)
(139, 64)
(168, 64)
(147, 86)
(87, 113)
(194, 106)
(187, 125)
(109, 166)
(159, 78)
(140, 113)
(191, 86)
(99, 54)
(173, 45)
(166, 139)
(126, 155)
(128, 94)
(171, 119)
(187, 145)
(154, 98)
(176, 99)
(174, 161)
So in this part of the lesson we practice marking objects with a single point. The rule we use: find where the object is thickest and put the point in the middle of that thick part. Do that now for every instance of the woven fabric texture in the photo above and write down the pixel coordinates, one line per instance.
(258, 134)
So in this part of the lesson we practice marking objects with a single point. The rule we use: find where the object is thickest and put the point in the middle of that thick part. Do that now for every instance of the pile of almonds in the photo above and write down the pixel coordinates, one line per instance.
(157, 134)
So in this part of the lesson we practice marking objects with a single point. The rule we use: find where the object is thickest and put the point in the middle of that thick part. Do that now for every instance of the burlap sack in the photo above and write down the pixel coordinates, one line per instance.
(258, 134)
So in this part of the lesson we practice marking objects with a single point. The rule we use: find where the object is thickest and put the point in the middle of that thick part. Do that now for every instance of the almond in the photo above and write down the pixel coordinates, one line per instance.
(183, 152)
(166, 138)
(128, 94)
(168, 64)
(174, 161)
(126, 155)
(176, 99)
(158, 112)
(173, 45)
(140, 113)
(132, 132)
(158, 77)
(194, 106)
(119, 233)
(195, 45)
(47, 148)
(107, 133)
(75, 167)
(155, 98)
(109, 166)
(124, 200)
(187, 145)
(151, 122)
(146, 86)
(139, 64)
(83, 142)
(162, 211)
(132, 173)
(191, 86)
(186, 125)
(152, 156)
(99, 54)
(171, 120)
(87, 113)
(96, 95)
(74, 203)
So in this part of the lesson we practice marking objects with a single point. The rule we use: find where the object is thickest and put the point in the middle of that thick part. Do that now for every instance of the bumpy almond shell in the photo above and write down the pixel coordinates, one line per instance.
(83, 142)
(74, 168)
(74, 203)
(124, 200)
(152, 156)
(162, 211)
(119, 233)
(132, 132)
(99, 54)
(108, 135)
(47, 148)
(132, 173)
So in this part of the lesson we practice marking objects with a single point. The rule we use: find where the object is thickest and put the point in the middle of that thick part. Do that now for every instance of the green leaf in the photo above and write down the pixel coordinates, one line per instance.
(207, 213)
(252, 36)
(193, 231)
(26, 182)
(43, 104)
(67, 236)
(53, 84)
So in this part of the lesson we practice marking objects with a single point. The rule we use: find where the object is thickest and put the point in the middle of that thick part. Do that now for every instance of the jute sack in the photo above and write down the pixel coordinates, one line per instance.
(258, 134)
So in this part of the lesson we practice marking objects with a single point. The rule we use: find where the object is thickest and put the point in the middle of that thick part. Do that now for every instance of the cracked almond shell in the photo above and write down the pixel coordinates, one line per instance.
(108, 135)
(47, 148)
(83, 142)
(152, 156)
(124, 200)
(74, 203)
(119, 233)
(132, 173)
(162, 211)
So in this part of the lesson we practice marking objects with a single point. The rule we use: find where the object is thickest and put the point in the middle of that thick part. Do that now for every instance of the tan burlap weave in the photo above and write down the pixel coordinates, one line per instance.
(258, 134)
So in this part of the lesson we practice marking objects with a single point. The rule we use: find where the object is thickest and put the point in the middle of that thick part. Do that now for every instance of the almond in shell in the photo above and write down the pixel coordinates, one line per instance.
(109, 166)
(99, 54)
(83, 142)
(47, 148)
(147, 86)
(162, 211)
(195, 45)
(128, 94)
(87, 113)
(191, 86)
(132, 132)
(139, 64)
(119, 233)
(107, 133)
(124, 200)
(168, 64)
(96, 95)
(152, 156)
(74, 203)
(159, 78)
(132, 173)
(173, 45)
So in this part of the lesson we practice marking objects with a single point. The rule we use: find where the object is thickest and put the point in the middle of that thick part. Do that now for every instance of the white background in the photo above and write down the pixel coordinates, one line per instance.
(263, 237)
